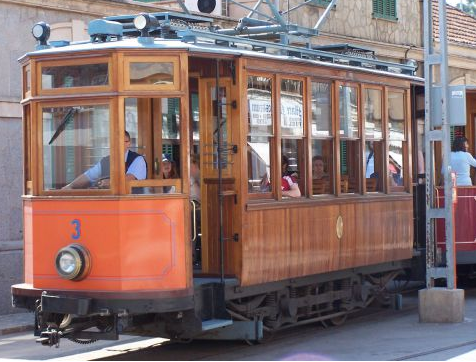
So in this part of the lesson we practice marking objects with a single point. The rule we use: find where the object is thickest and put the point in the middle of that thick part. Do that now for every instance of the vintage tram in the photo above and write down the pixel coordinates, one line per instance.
(121, 253)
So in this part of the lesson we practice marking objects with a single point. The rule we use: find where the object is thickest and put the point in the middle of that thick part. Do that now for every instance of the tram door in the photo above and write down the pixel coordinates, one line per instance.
(210, 124)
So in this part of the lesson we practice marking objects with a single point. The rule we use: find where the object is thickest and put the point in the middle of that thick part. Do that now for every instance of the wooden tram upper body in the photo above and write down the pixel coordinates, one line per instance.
(325, 242)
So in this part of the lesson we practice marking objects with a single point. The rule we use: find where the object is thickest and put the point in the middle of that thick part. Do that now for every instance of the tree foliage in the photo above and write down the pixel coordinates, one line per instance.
(469, 7)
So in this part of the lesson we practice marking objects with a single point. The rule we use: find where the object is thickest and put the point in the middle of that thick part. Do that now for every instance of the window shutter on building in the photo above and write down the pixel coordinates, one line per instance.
(386, 9)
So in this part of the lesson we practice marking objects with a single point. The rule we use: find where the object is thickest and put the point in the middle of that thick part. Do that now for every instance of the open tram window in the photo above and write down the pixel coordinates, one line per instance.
(154, 128)
(293, 177)
(322, 139)
(374, 146)
(76, 146)
(349, 139)
(260, 134)
(397, 141)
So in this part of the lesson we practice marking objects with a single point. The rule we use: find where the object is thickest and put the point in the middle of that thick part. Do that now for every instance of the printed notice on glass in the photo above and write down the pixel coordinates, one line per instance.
(260, 112)
(291, 114)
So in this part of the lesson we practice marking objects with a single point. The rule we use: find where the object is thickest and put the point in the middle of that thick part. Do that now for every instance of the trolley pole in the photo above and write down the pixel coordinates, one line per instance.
(438, 305)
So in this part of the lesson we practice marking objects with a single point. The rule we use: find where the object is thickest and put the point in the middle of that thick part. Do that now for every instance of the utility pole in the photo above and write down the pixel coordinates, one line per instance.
(438, 305)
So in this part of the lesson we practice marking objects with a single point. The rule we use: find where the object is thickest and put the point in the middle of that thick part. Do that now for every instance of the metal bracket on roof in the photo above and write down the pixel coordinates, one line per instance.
(103, 30)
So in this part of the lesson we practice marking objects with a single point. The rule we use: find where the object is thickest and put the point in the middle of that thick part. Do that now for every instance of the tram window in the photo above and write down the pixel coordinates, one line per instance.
(67, 76)
(322, 167)
(27, 150)
(397, 140)
(322, 144)
(350, 143)
(321, 109)
(292, 121)
(373, 113)
(26, 80)
(292, 151)
(292, 142)
(151, 73)
(374, 150)
(349, 120)
(349, 166)
(260, 133)
(154, 126)
(76, 146)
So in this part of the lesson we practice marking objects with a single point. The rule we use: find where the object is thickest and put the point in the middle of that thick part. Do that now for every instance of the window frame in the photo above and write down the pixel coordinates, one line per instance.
(272, 138)
(279, 137)
(154, 107)
(113, 144)
(339, 138)
(174, 59)
(383, 139)
(74, 62)
(406, 142)
(331, 137)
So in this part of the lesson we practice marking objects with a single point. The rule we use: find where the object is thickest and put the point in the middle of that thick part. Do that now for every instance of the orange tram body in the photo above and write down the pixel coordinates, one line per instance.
(113, 246)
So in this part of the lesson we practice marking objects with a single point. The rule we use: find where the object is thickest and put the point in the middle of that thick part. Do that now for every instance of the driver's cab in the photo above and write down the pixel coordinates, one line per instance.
(138, 128)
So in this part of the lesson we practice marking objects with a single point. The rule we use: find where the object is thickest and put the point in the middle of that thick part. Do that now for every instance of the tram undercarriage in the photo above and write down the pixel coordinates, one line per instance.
(247, 313)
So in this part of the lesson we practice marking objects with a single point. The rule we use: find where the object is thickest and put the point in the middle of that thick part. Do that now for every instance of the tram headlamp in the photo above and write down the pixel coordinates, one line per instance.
(73, 262)
(41, 32)
(144, 22)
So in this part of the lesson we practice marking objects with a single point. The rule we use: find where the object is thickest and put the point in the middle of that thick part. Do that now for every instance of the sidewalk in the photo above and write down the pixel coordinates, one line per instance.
(18, 322)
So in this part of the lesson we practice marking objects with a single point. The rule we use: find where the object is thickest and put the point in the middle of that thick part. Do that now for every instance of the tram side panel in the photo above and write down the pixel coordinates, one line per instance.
(297, 241)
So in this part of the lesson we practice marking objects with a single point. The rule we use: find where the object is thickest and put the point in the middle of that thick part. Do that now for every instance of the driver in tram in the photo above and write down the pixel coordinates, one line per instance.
(136, 169)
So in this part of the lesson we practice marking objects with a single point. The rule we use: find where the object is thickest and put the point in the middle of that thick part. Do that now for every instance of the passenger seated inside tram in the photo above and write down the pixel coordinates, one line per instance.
(318, 168)
(461, 160)
(169, 171)
(99, 174)
(289, 185)
(320, 180)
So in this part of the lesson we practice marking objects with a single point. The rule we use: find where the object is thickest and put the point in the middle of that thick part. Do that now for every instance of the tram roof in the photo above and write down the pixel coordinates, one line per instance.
(196, 38)
(174, 44)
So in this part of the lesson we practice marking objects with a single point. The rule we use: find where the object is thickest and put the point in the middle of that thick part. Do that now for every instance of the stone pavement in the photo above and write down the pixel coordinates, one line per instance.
(18, 322)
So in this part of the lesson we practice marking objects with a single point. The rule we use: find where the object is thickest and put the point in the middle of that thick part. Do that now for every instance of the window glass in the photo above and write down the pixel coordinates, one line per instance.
(76, 147)
(322, 167)
(395, 165)
(292, 121)
(259, 164)
(27, 148)
(321, 109)
(374, 174)
(373, 113)
(260, 120)
(68, 76)
(349, 166)
(151, 73)
(397, 136)
(349, 120)
(27, 76)
(396, 116)
(293, 171)
(260, 132)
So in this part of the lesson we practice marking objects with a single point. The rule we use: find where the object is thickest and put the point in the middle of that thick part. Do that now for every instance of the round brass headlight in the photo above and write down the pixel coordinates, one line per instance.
(73, 262)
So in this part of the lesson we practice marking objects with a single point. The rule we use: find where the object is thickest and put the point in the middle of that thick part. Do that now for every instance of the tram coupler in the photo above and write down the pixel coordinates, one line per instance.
(50, 337)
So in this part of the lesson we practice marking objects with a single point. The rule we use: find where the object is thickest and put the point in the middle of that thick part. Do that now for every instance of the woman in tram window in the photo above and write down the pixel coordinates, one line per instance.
(289, 185)
(461, 160)
(169, 171)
